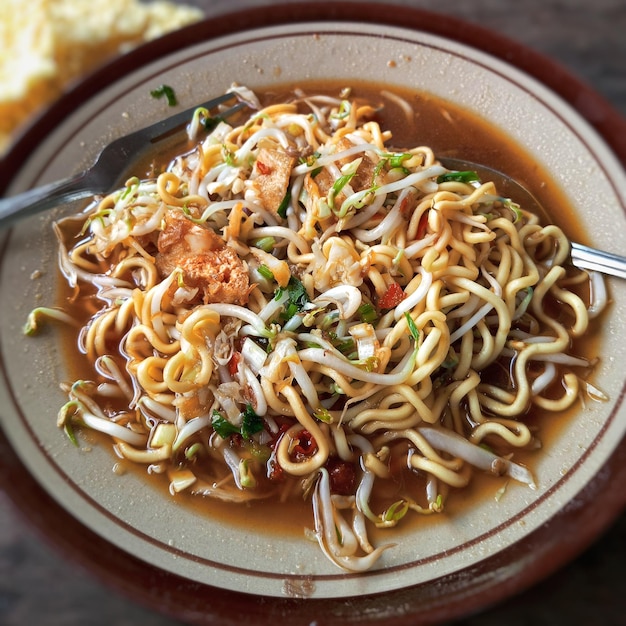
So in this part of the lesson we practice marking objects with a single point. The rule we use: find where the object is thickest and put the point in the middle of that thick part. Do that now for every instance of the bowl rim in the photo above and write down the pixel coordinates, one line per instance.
(184, 599)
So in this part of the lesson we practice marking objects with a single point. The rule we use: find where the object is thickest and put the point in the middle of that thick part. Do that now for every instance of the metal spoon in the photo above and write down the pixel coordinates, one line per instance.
(582, 256)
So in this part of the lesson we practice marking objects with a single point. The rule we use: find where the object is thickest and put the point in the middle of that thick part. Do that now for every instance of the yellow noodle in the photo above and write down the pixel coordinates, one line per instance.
(456, 351)
(451, 477)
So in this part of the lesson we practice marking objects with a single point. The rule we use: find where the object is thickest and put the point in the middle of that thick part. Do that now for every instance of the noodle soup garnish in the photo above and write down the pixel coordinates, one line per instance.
(297, 309)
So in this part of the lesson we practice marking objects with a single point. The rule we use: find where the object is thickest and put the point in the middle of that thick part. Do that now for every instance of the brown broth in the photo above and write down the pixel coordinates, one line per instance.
(450, 131)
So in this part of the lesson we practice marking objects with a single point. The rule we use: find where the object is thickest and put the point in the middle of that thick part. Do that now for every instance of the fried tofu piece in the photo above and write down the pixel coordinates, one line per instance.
(273, 167)
(319, 185)
(206, 261)
(364, 176)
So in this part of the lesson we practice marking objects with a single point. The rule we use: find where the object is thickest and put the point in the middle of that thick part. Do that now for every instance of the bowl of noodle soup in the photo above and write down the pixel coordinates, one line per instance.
(294, 356)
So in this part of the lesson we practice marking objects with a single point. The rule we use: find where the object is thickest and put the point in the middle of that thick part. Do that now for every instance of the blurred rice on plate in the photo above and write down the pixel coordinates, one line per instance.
(46, 44)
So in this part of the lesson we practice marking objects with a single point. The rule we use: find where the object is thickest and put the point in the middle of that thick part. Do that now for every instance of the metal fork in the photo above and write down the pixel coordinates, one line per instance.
(583, 257)
(105, 172)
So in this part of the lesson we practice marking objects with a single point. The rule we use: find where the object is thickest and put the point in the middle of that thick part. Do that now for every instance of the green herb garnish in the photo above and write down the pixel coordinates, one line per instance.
(297, 297)
(222, 426)
(251, 423)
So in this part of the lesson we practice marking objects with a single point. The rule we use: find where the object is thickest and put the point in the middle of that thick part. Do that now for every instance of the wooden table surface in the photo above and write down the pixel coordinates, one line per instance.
(39, 588)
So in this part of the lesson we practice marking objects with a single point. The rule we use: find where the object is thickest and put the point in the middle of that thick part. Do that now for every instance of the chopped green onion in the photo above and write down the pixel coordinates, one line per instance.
(467, 176)
(415, 333)
(284, 205)
(379, 166)
(310, 159)
(267, 244)
(167, 92)
(132, 184)
(356, 200)
(367, 313)
(323, 210)
(266, 272)
(396, 160)
(345, 345)
(100, 216)
(290, 310)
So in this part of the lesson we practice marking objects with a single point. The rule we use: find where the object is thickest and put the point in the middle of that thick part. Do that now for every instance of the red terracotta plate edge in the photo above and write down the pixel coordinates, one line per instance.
(199, 604)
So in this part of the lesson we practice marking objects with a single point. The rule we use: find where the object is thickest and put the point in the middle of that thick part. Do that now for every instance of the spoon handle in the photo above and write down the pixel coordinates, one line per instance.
(584, 257)
(592, 259)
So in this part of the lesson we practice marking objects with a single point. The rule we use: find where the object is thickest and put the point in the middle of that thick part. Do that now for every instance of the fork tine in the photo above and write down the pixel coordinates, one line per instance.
(107, 168)
(156, 131)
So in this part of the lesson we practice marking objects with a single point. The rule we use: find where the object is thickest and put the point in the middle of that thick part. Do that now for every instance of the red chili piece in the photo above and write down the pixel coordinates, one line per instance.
(406, 205)
(305, 447)
(263, 168)
(392, 297)
(422, 225)
(274, 471)
(233, 363)
(342, 476)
